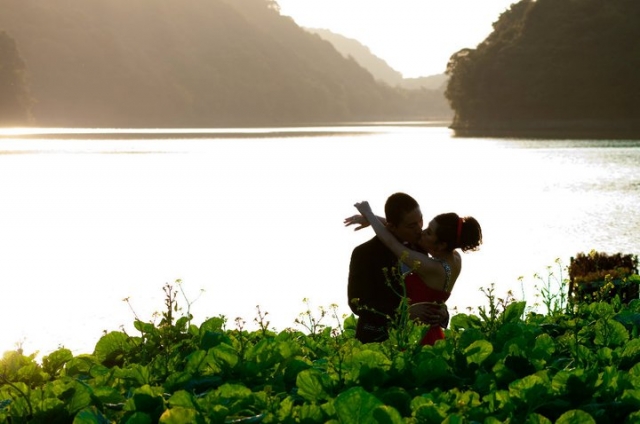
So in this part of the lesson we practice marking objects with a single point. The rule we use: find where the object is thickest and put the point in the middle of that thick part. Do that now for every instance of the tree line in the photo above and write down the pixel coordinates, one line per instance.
(15, 101)
(552, 65)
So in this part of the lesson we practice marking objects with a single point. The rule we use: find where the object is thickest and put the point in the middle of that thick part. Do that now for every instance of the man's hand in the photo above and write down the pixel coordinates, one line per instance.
(430, 313)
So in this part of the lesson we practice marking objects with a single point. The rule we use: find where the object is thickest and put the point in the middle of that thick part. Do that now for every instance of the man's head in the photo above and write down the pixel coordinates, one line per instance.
(404, 218)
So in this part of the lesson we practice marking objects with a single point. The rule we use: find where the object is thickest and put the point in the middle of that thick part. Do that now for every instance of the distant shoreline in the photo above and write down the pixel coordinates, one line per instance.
(564, 129)
(292, 130)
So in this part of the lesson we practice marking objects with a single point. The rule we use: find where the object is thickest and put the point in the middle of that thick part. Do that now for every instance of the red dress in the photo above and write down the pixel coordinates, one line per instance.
(418, 292)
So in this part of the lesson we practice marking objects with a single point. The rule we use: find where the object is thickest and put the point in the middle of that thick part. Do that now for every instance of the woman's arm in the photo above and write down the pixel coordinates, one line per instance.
(408, 256)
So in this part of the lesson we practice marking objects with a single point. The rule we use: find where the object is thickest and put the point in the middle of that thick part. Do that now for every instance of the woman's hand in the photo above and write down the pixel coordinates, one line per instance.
(358, 220)
(363, 207)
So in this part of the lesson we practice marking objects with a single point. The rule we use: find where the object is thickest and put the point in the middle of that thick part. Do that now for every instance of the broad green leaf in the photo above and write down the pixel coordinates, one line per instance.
(513, 312)
(183, 399)
(544, 347)
(537, 419)
(610, 332)
(478, 351)
(467, 400)
(350, 322)
(600, 310)
(309, 412)
(294, 367)
(356, 406)
(465, 322)
(430, 370)
(233, 391)
(496, 400)
(108, 395)
(177, 381)
(90, 416)
(397, 397)
(385, 414)
(285, 410)
(145, 399)
(80, 365)
(225, 354)
(135, 372)
(265, 354)
(144, 327)
(53, 363)
(215, 324)
(138, 418)
(575, 416)
(111, 348)
(454, 419)
(235, 398)
(30, 373)
(635, 370)
(631, 352)
(427, 411)
(470, 336)
(211, 339)
(195, 361)
(49, 406)
(81, 399)
(372, 358)
(181, 415)
(531, 389)
(634, 417)
(631, 397)
(628, 317)
(313, 385)
(216, 413)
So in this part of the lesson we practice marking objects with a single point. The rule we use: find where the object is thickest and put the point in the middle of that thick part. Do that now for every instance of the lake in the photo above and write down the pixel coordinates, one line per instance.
(254, 217)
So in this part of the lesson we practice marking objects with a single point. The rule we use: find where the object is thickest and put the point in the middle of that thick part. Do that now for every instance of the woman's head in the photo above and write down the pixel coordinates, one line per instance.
(448, 231)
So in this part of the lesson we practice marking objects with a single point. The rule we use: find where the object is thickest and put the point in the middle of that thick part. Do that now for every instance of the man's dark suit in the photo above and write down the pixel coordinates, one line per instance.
(367, 283)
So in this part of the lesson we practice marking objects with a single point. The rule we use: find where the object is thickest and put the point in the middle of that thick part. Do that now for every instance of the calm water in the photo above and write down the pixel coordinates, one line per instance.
(255, 218)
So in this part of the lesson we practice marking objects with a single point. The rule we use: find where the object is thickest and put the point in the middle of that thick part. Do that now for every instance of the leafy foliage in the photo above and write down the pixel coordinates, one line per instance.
(599, 275)
(505, 365)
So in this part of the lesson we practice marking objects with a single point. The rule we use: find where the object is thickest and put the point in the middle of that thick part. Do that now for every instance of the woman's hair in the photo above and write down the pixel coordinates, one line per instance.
(457, 232)
(397, 206)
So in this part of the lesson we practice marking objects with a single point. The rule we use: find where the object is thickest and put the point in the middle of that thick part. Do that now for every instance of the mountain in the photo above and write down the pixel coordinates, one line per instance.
(192, 63)
(435, 85)
(378, 67)
(432, 82)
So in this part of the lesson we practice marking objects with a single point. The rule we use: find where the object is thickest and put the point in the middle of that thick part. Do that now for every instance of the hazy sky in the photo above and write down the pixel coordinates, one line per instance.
(415, 37)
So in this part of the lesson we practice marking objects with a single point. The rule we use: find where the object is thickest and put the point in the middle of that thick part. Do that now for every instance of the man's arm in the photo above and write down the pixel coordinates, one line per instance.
(430, 313)
(357, 290)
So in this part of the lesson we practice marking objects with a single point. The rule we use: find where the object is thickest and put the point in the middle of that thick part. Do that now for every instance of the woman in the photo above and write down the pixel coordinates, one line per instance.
(434, 272)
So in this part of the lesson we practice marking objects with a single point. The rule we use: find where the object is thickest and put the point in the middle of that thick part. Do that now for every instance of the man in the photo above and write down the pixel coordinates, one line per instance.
(373, 296)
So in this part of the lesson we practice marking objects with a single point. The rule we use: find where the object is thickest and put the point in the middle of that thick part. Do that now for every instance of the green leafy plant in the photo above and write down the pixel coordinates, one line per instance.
(501, 365)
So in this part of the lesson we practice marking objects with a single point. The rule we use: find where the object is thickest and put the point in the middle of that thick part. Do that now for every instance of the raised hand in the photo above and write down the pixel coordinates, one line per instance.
(358, 220)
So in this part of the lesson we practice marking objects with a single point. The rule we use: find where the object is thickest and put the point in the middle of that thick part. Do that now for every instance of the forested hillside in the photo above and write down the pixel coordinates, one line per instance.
(15, 102)
(552, 67)
(190, 63)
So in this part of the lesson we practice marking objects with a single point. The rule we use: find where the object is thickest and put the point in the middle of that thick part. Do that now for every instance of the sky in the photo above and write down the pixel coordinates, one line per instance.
(415, 37)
